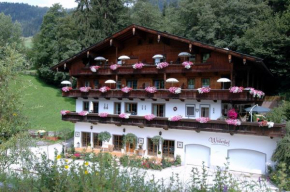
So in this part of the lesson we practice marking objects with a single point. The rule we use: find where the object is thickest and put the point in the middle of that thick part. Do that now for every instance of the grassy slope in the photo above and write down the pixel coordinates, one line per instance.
(43, 103)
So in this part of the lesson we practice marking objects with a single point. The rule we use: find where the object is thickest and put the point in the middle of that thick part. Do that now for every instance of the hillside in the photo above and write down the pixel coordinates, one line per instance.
(30, 17)
(43, 103)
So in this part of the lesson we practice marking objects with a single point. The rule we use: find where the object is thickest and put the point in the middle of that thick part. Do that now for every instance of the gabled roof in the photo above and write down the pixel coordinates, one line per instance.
(127, 33)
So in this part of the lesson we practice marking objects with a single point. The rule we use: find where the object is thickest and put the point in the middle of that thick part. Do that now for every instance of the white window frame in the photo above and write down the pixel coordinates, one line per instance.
(190, 105)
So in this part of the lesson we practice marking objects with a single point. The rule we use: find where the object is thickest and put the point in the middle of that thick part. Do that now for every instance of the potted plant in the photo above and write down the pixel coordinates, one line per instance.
(157, 140)
(129, 138)
(104, 136)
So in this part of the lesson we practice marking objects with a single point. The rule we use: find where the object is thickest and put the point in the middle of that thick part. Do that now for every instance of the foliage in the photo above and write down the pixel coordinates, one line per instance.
(157, 140)
(104, 136)
(9, 32)
(281, 113)
(130, 138)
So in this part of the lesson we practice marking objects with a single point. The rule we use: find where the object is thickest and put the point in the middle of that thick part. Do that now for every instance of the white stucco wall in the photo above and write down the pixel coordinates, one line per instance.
(145, 107)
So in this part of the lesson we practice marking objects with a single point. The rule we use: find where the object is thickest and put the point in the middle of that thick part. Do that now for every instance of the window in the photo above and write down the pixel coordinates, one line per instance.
(86, 106)
(191, 83)
(189, 110)
(192, 58)
(117, 108)
(131, 108)
(205, 57)
(96, 84)
(159, 110)
(132, 84)
(97, 142)
(204, 110)
(168, 148)
(152, 149)
(86, 139)
(87, 83)
(159, 84)
(118, 85)
(118, 142)
(95, 107)
(205, 82)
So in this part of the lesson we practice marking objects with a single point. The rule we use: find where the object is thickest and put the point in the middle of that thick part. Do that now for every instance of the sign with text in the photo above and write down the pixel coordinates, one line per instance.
(219, 141)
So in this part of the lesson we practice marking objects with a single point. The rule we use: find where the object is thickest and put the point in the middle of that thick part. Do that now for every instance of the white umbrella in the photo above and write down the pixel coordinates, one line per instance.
(65, 83)
(91, 107)
(100, 58)
(223, 80)
(124, 57)
(172, 80)
(110, 81)
(184, 54)
(158, 56)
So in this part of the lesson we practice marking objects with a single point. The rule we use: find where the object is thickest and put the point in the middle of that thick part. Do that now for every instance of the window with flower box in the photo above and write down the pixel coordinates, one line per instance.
(191, 83)
(132, 84)
(158, 110)
(159, 84)
(87, 83)
(205, 82)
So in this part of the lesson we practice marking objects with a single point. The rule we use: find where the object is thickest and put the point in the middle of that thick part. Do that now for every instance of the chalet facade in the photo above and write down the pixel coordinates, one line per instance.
(248, 145)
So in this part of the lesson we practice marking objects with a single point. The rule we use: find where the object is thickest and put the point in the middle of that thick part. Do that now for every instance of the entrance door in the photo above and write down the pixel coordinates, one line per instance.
(86, 139)
(97, 142)
(130, 147)
(196, 154)
(118, 142)
(168, 148)
(152, 149)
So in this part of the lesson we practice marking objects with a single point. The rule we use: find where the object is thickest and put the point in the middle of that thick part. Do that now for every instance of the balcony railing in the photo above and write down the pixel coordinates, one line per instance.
(150, 69)
(214, 94)
(246, 128)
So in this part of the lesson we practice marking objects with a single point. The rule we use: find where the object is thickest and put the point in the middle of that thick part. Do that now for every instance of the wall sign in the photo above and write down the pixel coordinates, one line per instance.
(77, 134)
(179, 144)
(219, 141)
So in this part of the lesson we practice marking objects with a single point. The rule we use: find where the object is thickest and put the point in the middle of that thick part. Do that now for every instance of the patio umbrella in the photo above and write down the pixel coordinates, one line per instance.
(184, 54)
(124, 57)
(110, 81)
(172, 80)
(158, 56)
(258, 109)
(65, 83)
(100, 58)
(223, 80)
(91, 107)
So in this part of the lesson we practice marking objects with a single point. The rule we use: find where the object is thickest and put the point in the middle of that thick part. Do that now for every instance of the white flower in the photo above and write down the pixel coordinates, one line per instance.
(187, 66)
(270, 124)
(178, 90)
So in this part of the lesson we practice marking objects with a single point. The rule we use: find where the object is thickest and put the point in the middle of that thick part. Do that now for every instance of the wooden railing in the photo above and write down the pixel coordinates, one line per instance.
(214, 94)
(184, 124)
(150, 69)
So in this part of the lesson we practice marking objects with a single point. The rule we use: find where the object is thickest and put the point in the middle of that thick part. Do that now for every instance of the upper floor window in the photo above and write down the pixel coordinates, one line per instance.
(95, 107)
(205, 57)
(205, 82)
(190, 110)
(159, 84)
(131, 108)
(191, 83)
(118, 85)
(96, 84)
(86, 106)
(87, 83)
(117, 108)
(159, 110)
(132, 84)
(204, 110)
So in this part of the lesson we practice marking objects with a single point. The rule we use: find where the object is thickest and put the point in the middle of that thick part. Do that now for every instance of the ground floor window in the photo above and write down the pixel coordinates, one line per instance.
(158, 110)
(86, 139)
(168, 148)
(97, 142)
(152, 149)
(118, 142)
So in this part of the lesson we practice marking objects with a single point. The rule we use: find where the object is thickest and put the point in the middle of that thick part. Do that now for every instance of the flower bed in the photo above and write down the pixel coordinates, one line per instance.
(203, 119)
(85, 89)
(175, 118)
(149, 117)
(138, 66)
(162, 65)
(236, 89)
(83, 113)
(64, 112)
(126, 89)
(66, 89)
(103, 114)
(124, 115)
(203, 90)
(234, 122)
(114, 67)
(256, 93)
(175, 90)
(151, 89)
(187, 64)
(104, 89)
(94, 68)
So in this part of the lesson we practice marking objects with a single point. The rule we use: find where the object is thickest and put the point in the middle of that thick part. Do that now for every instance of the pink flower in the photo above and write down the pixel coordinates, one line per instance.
(151, 89)
(187, 64)
(203, 119)
(126, 89)
(175, 118)
(138, 66)
(85, 89)
(203, 90)
(235, 122)
(175, 90)
(149, 117)
(114, 67)
(94, 68)
(256, 93)
(232, 114)
(104, 89)
(83, 113)
(236, 89)
(103, 114)
(64, 112)
(77, 155)
(162, 65)
(66, 89)
(124, 115)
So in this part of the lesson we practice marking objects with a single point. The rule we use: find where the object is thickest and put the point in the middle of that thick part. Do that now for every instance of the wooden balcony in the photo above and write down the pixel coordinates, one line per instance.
(214, 94)
(246, 128)
(150, 69)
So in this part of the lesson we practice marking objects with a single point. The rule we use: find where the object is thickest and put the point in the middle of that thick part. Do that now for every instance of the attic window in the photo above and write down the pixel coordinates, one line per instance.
(205, 57)
(150, 41)
(140, 42)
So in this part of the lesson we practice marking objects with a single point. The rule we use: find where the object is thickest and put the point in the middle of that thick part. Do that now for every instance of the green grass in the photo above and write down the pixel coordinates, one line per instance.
(43, 103)
(27, 42)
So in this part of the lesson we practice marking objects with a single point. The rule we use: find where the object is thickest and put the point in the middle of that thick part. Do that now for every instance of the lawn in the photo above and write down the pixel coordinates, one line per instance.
(43, 103)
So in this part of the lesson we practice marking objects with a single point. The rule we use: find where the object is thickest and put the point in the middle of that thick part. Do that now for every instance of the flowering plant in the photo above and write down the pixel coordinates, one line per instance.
(85, 89)
(104, 89)
(175, 118)
(203, 90)
(66, 89)
(187, 64)
(126, 89)
(149, 117)
(151, 89)
(124, 115)
(64, 112)
(232, 114)
(83, 113)
(236, 89)
(138, 66)
(175, 90)
(94, 68)
(257, 93)
(103, 114)
(234, 122)
(265, 124)
(162, 65)
(203, 119)
(114, 67)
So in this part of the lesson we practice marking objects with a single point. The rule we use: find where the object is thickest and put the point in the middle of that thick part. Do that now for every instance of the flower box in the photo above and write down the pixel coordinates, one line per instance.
(151, 89)
(162, 65)
(187, 64)
(114, 67)
(126, 89)
(103, 114)
(175, 90)
(66, 89)
(203, 119)
(203, 90)
(138, 66)
(83, 113)
(256, 93)
(124, 115)
(234, 122)
(85, 89)
(94, 68)
(64, 112)
(266, 124)
(175, 118)
(149, 117)
(104, 89)
(236, 89)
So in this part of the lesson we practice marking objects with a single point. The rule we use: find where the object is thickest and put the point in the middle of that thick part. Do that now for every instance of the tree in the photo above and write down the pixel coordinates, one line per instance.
(9, 32)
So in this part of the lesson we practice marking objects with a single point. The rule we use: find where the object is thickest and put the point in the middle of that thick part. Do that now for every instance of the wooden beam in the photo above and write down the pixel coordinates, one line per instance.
(95, 97)
(120, 98)
(108, 98)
